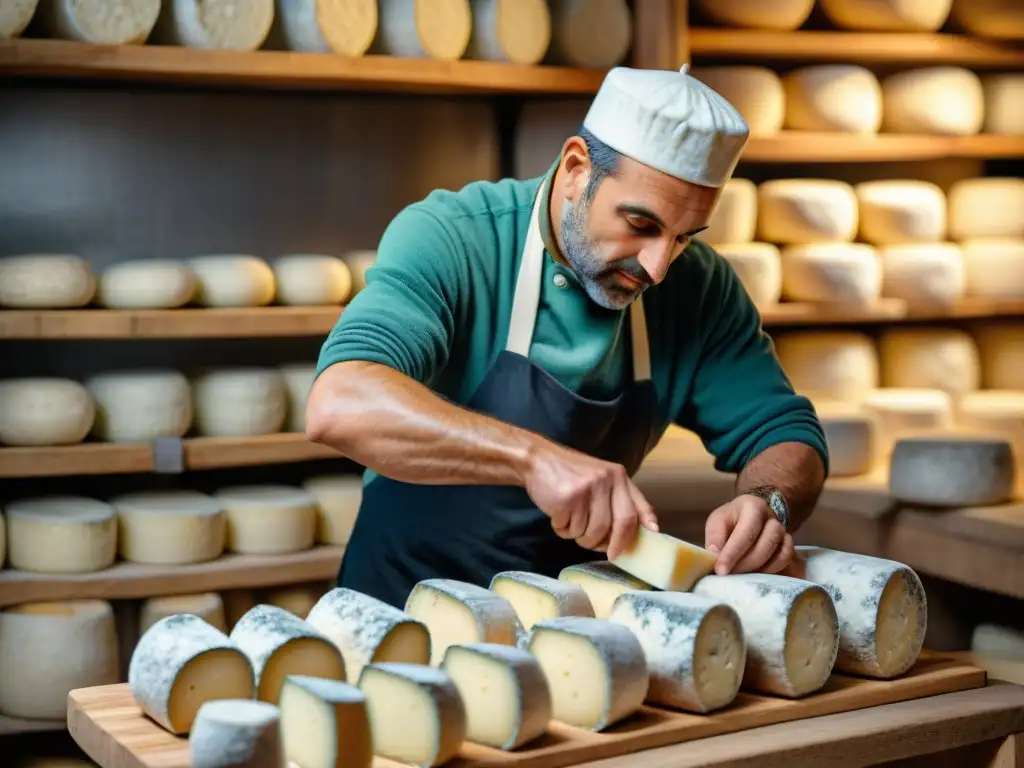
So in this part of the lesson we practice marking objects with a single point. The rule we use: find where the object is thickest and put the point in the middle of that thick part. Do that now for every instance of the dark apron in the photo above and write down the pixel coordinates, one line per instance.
(406, 532)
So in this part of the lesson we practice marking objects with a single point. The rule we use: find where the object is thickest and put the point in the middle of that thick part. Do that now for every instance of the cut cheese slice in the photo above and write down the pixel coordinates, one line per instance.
(832, 273)
(806, 211)
(416, 713)
(665, 562)
(209, 607)
(45, 281)
(15, 16)
(596, 670)
(279, 644)
(1002, 355)
(369, 631)
(833, 97)
(170, 527)
(1000, 414)
(61, 534)
(239, 402)
(603, 583)
(930, 358)
(790, 625)
(436, 29)
(297, 600)
(1001, 19)
(140, 406)
(298, 380)
(694, 646)
(50, 649)
(952, 471)
(44, 411)
(734, 219)
(536, 597)
(900, 413)
(881, 605)
(947, 101)
(232, 280)
(924, 275)
(307, 279)
(759, 268)
(101, 22)
(986, 207)
(782, 15)
(345, 27)
(757, 94)
(325, 723)
(994, 268)
(359, 262)
(997, 640)
(337, 504)
(504, 691)
(232, 25)
(850, 438)
(182, 662)
(268, 519)
(901, 211)
(594, 34)
(830, 365)
(236, 732)
(888, 15)
(516, 31)
(1004, 95)
(150, 284)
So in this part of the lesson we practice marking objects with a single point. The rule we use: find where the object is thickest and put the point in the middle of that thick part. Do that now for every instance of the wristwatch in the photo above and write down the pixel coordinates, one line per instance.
(776, 502)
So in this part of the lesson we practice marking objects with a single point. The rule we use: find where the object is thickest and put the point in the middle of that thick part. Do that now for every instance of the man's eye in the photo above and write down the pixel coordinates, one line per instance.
(641, 226)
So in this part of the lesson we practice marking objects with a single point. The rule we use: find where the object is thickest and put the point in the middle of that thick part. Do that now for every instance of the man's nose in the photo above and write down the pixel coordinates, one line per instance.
(655, 260)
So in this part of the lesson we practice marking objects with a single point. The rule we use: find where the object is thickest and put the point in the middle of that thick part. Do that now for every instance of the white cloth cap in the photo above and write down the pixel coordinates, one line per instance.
(670, 121)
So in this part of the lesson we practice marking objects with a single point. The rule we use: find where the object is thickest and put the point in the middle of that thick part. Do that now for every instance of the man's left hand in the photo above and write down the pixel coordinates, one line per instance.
(747, 537)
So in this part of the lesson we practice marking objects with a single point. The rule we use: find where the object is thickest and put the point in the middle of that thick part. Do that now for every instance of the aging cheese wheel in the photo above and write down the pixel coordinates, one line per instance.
(757, 94)
(298, 380)
(239, 402)
(930, 358)
(233, 281)
(590, 33)
(833, 97)
(758, 14)
(517, 31)
(1003, 19)
(923, 274)
(986, 207)
(603, 583)
(832, 273)
(888, 15)
(759, 268)
(139, 406)
(734, 219)
(358, 263)
(104, 22)
(341, 735)
(996, 413)
(234, 25)
(45, 281)
(15, 16)
(345, 27)
(312, 279)
(436, 29)
(536, 597)
(268, 519)
(952, 471)
(664, 561)
(298, 600)
(209, 607)
(830, 365)
(49, 650)
(806, 211)
(152, 284)
(903, 412)
(44, 411)
(337, 504)
(994, 267)
(232, 732)
(850, 437)
(1004, 95)
(171, 527)
(933, 100)
(61, 534)
(901, 211)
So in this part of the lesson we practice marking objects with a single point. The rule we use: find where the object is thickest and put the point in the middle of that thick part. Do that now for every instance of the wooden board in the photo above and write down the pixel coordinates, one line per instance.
(112, 730)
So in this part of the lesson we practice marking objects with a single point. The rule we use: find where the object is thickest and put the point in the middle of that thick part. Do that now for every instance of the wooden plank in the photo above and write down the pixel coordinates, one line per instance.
(112, 730)
(223, 452)
(81, 459)
(281, 69)
(812, 147)
(126, 581)
(10, 726)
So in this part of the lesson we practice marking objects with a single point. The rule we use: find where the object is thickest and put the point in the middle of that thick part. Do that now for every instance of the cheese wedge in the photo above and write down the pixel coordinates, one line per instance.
(665, 562)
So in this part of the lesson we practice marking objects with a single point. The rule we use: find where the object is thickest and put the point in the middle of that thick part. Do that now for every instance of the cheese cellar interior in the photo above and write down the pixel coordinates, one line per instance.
(192, 191)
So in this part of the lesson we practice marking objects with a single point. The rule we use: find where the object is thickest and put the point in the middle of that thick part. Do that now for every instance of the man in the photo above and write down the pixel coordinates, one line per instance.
(521, 345)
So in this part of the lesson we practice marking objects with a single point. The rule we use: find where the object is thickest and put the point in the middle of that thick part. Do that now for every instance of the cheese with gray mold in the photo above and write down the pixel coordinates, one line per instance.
(603, 582)
(952, 471)
(536, 597)
(236, 732)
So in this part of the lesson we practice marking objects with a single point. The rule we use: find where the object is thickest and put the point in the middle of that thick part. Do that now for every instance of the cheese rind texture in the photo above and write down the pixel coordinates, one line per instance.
(435, 29)
(208, 606)
(324, 723)
(345, 27)
(603, 583)
(903, 412)
(504, 692)
(830, 365)
(44, 411)
(759, 268)
(895, 211)
(180, 663)
(338, 498)
(784, 15)
(149, 284)
(1002, 355)
(268, 519)
(923, 274)
(994, 268)
(171, 527)
(888, 15)
(694, 647)
(1004, 95)
(986, 207)
(791, 629)
(832, 273)
(101, 22)
(833, 97)
(226, 280)
(930, 358)
(881, 605)
(239, 402)
(941, 100)
(15, 16)
(1000, 19)
(590, 33)
(536, 597)
(140, 406)
(230, 25)
(517, 31)
(952, 471)
(757, 93)
(734, 219)
(45, 281)
(664, 561)
(802, 211)
(307, 279)
(60, 534)
(234, 732)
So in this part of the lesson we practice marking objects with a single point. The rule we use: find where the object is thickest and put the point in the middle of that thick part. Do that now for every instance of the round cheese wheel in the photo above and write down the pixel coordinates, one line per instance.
(239, 402)
(901, 211)
(437, 29)
(933, 100)
(590, 33)
(45, 281)
(337, 499)
(923, 274)
(15, 16)
(994, 268)
(61, 534)
(268, 519)
(209, 607)
(888, 15)
(311, 280)
(1004, 95)
(345, 27)
(900, 413)
(759, 268)
(358, 263)
(930, 358)
(832, 273)
(170, 527)
(756, 93)
(986, 207)
(152, 284)
(44, 412)
(834, 365)
(734, 219)
(833, 97)
(951, 471)
(298, 600)
(518, 31)
(233, 281)
(103, 22)
(850, 437)
(298, 380)
(232, 25)
(758, 14)
(1003, 19)
(139, 406)
(996, 413)
(802, 211)
(1002, 355)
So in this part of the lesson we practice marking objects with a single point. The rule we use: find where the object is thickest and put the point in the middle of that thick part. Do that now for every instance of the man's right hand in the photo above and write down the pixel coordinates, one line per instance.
(592, 501)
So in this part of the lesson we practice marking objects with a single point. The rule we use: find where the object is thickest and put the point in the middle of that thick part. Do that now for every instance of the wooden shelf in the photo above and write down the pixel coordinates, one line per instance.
(886, 311)
(223, 452)
(813, 147)
(12, 725)
(130, 581)
(860, 47)
(278, 69)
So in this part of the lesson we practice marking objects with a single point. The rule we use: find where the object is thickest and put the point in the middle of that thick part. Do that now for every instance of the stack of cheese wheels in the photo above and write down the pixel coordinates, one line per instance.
(833, 97)
(153, 284)
(830, 365)
(850, 437)
(888, 15)
(984, 215)
(61, 534)
(240, 402)
(298, 380)
(996, 413)
(46, 281)
(114, 22)
(268, 519)
(899, 413)
(15, 16)
(517, 31)
(1002, 19)
(233, 281)
(593, 34)
(139, 406)
(322, 26)
(938, 100)
(311, 279)
(435, 29)
(173, 527)
(44, 411)
(930, 358)
(758, 14)
(952, 471)
(230, 25)
(337, 502)
(1002, 355)
(1004, 93)
(757, 94)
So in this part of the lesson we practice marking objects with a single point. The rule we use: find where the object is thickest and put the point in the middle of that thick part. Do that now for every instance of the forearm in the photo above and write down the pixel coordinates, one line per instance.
(399, 428)
(795, 469)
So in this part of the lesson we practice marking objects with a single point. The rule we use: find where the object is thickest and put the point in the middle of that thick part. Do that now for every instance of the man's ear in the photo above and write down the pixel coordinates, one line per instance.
(576, 169)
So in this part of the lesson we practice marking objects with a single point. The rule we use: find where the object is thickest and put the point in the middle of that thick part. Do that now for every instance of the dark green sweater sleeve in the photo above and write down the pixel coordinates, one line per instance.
(741, 400)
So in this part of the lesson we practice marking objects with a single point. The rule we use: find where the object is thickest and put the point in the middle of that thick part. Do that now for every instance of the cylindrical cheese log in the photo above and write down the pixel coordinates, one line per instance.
(986, 207)
(536, 598)
(239, 402)
(436, 29)
(312, 280)
(44, 412)
(803, 211)
(337, 504)
(888, 15)
(759, 268)
(345, 27)
(298, 379)
(15, 16)
(603, 583)
(850, 437)
(140, 406)
(209, 607)
(518, 31)
(104, 22)
(50, 649)
(229, 733)
(757, 94)
(833, 97)
(590, 33)
(952, 471)
(832, 273)
(901, 211)
(881, 605)
(233, 25)
(179, 664)
(997, 413)
(1002, 19)
(734, 219)
(268, 519)
(171, 527)
(298, 600)
(61, 534)
(994, 268)
(45, 281)
(930, 358)
(933, 100)
(155, 284)
(1004, 95)
(694, 646)
(790, 626)
(758, 14)
(923, 274)
(358, 263)
(836, 365)
(901, 413)
(233, 281)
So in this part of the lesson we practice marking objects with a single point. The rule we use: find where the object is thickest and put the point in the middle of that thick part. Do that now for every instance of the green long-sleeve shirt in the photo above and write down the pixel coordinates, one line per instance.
(437, 302)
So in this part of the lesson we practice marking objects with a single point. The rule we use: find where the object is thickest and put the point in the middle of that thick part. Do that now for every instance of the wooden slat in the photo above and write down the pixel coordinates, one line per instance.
(812, 147)
(125, 581)
(221, 452)
(81, 459)
(12, 725)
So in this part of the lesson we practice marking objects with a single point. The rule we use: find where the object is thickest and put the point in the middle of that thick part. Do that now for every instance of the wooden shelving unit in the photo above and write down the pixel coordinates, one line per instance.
(810, 147)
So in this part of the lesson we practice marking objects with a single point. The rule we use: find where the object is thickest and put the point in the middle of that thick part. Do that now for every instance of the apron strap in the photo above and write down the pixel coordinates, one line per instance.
(641, 345)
